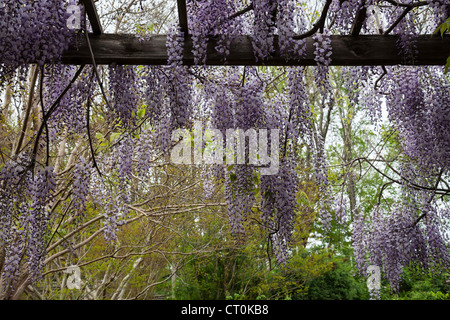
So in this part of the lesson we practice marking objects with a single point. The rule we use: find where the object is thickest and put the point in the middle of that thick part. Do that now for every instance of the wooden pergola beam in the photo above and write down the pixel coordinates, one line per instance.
(182, 16)
(359, 20)
(92, 14)
(363, 50)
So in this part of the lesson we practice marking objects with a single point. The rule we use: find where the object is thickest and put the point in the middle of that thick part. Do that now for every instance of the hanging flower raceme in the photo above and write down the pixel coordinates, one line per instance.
(81, 181)
(299, 104)
(125, 159)
(240, 178)
(354, 79)
(278, 207)
(206, 19)
(440, 12)
(286, 26)
(407, 43)
(322, 56)
(125, 95)
(179, 91)
(154, 81)
(27, 201)
(343, 13)
(41, 193)
(411, 234)
(70, 114)
(28, 37)
(222, 111)
(418, 103)
(264, 28)
(239, 196)
(14, 180)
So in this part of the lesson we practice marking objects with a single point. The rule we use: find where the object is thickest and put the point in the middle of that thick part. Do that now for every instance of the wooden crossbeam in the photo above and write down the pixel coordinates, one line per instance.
(369, 50)
(92, 14)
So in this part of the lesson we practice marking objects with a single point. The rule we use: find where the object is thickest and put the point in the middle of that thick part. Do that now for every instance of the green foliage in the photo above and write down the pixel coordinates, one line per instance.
(214, 276)
(338, 284)
(443, 28)
(418, 285)
(242, 273)
(290, 282)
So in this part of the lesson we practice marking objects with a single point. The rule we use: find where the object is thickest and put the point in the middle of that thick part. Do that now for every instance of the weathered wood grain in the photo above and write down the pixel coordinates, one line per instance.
(347, 51)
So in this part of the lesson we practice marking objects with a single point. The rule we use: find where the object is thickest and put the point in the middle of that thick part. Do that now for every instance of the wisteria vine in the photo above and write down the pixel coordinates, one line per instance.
(146, 104)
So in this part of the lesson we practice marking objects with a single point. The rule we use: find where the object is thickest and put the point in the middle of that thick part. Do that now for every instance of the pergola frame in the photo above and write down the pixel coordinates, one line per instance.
(348, 50)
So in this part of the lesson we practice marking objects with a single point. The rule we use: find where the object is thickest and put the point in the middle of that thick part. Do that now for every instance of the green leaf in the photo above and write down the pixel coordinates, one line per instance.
(302, 199)
(141, 112)
(443, 27)
(447, 65)
(99, 136)
(114, 136)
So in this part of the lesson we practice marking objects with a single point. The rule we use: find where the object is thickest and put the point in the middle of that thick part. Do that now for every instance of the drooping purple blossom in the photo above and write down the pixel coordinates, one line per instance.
(207, 19)
(278, 207)
(80, 186)
(417, 104)
(285, 23)
(37, 217)
(263, 29)
(179, 81)
(322, 56)
(408, 235)
(239, 196)
(299, 104)
(125, 159)
(123, 87)
(343, 14)
(26, 35)
(70, 114)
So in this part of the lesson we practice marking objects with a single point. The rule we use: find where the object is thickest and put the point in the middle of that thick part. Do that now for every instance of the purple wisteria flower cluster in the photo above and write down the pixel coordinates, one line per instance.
(209, 18)
(278, 207)
(418, 105)
(263, 30)
(179, 79)
(123, 87)
(322, 55)
(28, 37)
(70, 114)
(398, 239)
(80, 186)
